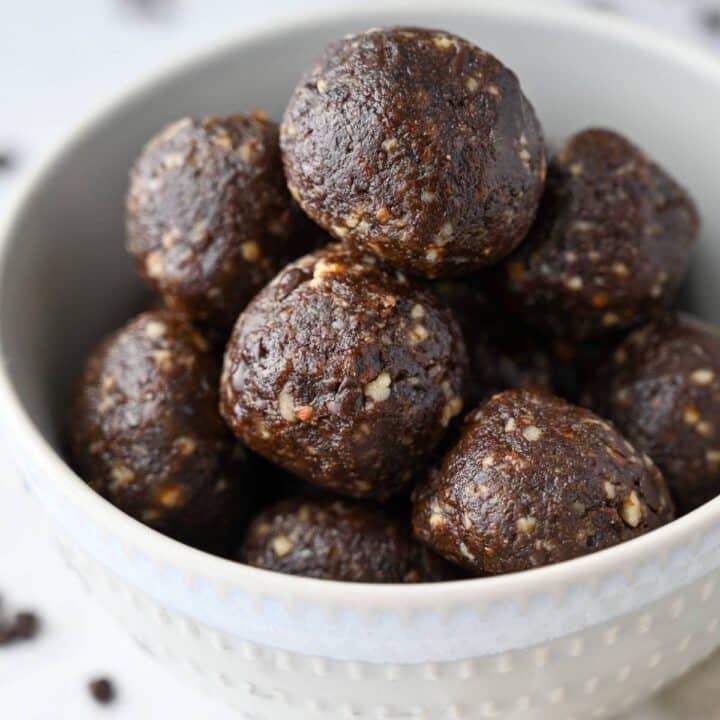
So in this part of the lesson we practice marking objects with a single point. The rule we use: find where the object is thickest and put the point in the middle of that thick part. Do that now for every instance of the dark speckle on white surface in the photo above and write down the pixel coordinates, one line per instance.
(7, 160)
(152, 9)
(710, 19)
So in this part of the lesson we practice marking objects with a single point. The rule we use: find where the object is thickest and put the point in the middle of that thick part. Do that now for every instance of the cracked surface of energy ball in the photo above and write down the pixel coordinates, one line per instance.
(340, 540)
(345, 373)
(610, 245)
(534, 480)
(662, 389)
(417, 146)
(209, 218)
(146, 433)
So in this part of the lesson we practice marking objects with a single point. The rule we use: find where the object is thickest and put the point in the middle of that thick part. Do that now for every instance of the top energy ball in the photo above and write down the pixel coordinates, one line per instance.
(417, 146)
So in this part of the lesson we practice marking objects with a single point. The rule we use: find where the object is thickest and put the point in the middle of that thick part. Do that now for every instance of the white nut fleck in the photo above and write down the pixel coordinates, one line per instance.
(282, 545)
(155, 329)
(250, 251)
(154, 266)
(471, 84)
(418, 333)
(286, 406)
(582, 226)
(510, 425)
(444, 234)
(610, 319)
(451, 408)
(122, 476)
(199, 232)
(432, 255)
(294, 192)
(532, 433)
(185, 445)
(379, 388)
(417, 312)
(442, 42)
(526, 524)
(321, 86)
(436, 520)
(325, 269)
(172, 496)
(169, 238)
(705, 428)
(574, 283)
(390, 145)
(631, 511)
(163, 360)
(427, 196)
(609, 490)
(465, 552)
(703, 376)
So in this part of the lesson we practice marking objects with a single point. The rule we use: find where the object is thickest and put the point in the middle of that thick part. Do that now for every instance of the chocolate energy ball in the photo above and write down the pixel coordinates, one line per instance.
(416, 146)
(503, 354)
(209, 219)
(340, 540)
(534, 480)
(344, 373)
(610, 245)
(146, 433)
(662, 389)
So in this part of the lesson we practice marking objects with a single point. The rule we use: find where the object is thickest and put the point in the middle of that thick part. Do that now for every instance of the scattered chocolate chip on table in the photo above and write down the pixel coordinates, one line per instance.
(102, 690)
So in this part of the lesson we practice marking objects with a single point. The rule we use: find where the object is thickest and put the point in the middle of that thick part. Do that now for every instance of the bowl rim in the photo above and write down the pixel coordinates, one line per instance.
(153, 544)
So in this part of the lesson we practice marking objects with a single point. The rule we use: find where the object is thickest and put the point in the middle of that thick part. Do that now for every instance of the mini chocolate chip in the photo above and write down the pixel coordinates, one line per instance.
(26, 625)
(603, 5)
(102, 690)
(150, 8)
(710, 18)
(6, 160)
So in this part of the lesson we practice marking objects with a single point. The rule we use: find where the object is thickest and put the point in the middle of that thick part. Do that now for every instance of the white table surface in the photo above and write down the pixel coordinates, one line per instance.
(57, 57)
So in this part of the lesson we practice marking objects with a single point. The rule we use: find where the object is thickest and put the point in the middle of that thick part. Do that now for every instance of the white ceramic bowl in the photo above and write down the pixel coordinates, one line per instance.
(582, 639)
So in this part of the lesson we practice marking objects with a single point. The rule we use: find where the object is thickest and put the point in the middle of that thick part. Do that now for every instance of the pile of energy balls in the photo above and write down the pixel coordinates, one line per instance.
(392, 343)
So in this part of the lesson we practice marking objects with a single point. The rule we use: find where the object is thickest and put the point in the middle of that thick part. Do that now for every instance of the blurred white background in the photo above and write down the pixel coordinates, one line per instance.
(58, 61)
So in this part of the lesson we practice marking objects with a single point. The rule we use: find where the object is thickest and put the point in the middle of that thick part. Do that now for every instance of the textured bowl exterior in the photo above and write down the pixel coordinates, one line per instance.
(212, 633)
(586, 638)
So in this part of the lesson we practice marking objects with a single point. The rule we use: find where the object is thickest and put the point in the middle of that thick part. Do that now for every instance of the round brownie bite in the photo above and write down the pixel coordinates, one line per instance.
(344, 373)
(340, 540)
(662, 389)
(146, 433)
(502, 352)
(610, 245)
(417, 146)
(209, 218)
(534, 480)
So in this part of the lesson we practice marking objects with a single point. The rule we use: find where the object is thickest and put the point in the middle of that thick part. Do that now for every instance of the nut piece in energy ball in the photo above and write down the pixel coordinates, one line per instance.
(662, 389)
(146, 433)
(534, 480)
(344, 373)
(416, 146)
(209, 218)
(503, 353)
(340, 540)
(610, 245)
